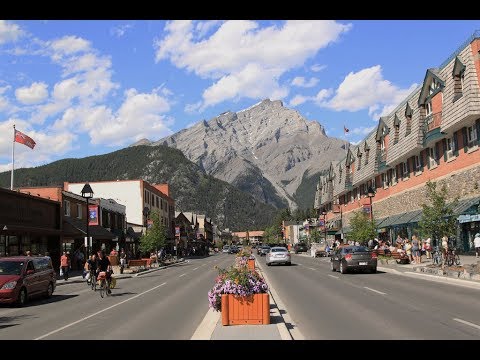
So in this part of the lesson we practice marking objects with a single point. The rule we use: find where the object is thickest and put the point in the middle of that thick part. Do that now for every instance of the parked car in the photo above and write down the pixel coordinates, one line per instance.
(233, 249)
(23, 277)
(226, 249)
(278, 255)
(300, 247)
(263, 250)
(353, 258)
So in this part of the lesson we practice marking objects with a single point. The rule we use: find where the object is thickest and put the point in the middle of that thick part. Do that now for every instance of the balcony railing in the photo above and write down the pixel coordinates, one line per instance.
(433, 121)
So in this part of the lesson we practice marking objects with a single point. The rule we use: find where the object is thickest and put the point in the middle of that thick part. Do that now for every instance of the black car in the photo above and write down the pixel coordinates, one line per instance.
(300, 247)
(263, 250)
(353, 258)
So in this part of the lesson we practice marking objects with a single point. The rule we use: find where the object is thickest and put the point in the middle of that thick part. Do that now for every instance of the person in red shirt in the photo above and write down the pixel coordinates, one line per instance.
(65, 265)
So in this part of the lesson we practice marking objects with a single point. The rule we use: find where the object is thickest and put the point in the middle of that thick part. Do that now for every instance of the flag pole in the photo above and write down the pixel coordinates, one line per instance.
(13, 157)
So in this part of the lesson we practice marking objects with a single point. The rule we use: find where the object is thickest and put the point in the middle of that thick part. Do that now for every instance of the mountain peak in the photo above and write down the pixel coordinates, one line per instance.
(142, 142)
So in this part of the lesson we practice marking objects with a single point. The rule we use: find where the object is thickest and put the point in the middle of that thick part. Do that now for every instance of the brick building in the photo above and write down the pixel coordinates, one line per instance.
(434, 134)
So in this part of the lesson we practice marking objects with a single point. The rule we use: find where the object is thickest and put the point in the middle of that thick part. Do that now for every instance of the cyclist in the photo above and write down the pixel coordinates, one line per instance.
(103, 264)
(92, 267)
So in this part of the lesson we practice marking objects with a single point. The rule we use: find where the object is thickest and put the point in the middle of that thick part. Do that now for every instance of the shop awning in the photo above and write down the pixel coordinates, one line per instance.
(466, 204)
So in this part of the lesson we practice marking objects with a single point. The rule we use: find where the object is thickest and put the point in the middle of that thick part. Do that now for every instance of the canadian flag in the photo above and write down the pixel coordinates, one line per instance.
(24, 139)
(345, 130)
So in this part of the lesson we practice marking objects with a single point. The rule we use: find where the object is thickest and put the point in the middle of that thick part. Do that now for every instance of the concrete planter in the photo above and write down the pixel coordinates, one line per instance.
(454, 274)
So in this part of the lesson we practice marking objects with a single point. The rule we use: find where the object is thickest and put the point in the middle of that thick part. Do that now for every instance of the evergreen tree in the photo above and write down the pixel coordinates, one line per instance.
(363, 229)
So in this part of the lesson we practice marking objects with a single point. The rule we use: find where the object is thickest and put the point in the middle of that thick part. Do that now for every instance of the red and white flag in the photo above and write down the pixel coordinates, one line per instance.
(24, 139)
(345, 130)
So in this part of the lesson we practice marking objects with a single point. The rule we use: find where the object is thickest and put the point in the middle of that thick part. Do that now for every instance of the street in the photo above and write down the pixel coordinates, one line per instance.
(164, 304)
(329, 305)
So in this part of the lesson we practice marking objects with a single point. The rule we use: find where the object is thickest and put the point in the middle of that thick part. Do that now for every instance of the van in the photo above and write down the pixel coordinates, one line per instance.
(24, 277)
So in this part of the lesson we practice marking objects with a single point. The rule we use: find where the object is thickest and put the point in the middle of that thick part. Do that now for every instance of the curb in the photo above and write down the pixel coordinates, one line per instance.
(285, 334)
(159, 268)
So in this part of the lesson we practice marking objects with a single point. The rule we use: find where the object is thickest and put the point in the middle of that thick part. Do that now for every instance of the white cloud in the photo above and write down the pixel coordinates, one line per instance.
(69, 45)
(318, 67)
(301, 82)
(367, 89)
(238, 49)
(362, 130)
(120, 30)
(298, 100)
(9, 32)
(34, 94)
(193, 108)
(203, 27)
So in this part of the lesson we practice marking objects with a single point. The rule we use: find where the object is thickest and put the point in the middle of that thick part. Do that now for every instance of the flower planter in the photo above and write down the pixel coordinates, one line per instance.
(251, 310)
(251, 264)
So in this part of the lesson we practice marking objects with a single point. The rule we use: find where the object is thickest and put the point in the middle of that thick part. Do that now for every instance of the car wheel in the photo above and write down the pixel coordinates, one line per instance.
(268, 264)
(373, 270)
(22, 297)
(331, 266)
(49, 291)
(289, 263)
(343, 268)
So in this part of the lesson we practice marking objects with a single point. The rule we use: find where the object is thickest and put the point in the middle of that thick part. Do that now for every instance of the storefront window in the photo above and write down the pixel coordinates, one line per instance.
(3, 247)
(13, 248)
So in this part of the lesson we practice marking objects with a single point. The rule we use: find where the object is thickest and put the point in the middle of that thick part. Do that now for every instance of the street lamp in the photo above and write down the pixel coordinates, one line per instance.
(371, 194)
(324, 213)
(87, 193)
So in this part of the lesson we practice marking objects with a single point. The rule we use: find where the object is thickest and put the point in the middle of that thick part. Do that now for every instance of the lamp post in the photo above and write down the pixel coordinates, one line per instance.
(324, 213)
(87, 193)
(371, 194)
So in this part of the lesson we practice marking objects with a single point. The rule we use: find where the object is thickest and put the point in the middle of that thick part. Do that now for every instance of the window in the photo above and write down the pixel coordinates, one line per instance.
(79, 211)
(157, 202)
(66, 207)
(405, 170)
(433, 86)
(397, 132)
(450, 148)
(432, 157)
(373, 184)
(428, 108)
(359, 161)
(385, 180)
(367, 152)
(393, 175)
(418, 164)
(471, 135)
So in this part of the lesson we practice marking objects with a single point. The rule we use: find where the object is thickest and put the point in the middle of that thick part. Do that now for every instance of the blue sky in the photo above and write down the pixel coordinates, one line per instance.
(81, 88)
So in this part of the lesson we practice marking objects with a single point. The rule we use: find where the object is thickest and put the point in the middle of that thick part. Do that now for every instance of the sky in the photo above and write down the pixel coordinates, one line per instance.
(88, 87)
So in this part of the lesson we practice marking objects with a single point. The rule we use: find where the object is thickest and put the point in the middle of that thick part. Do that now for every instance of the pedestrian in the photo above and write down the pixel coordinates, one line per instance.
(29, 253)
(64, 265)
(416, 250)
(476, 243)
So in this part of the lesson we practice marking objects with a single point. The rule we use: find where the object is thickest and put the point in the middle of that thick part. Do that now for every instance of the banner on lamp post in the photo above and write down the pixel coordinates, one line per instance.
(367, 209)
(177, 231)
(92, 215)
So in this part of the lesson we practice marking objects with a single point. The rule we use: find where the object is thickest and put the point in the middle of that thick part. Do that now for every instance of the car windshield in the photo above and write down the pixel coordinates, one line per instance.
(278, 250)
(10, 267)
(266, 247)
(354, 249)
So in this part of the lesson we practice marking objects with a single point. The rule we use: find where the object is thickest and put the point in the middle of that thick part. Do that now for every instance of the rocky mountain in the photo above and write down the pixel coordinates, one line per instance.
(270, 151)
(192, 189)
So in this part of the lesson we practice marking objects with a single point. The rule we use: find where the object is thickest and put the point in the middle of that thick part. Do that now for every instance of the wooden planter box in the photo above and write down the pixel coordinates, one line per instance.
(251, 264)
(252, 310)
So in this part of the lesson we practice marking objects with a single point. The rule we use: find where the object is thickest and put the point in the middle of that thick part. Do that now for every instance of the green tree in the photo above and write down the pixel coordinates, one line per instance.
(156, 236)
(270, 235)
(437, 217)
(315, 235)
(363, 229)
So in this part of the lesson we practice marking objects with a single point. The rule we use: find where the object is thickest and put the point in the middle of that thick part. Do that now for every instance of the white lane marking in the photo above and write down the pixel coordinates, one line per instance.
(467, 323)
(195, 269)
(98, 312)
(333, 276)
(312, 268)
(378, 292)
(183, 275)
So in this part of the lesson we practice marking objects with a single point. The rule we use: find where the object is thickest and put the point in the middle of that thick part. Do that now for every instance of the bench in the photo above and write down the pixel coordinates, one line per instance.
(401, 258)
(148, 261)
(139, 263)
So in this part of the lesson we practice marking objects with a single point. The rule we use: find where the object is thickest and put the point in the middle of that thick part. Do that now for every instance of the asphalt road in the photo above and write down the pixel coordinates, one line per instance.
(328, 305)
(166, 304)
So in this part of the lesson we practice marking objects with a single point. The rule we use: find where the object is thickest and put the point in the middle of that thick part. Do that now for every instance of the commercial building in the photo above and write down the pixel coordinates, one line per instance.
(434, 134)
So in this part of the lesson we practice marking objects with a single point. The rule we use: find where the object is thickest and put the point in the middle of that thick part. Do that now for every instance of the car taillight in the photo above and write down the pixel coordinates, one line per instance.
(348, 257)
(374, 255)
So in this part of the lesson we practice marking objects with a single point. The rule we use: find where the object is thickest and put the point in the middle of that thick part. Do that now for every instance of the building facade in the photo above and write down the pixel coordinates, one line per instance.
(434, 134)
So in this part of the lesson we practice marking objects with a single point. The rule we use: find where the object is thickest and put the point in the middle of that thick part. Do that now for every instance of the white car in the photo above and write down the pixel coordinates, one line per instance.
(278, 255)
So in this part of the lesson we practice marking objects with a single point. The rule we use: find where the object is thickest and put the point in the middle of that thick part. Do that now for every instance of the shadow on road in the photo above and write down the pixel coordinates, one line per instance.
(5, 321)
(114, 294)
(39, 301)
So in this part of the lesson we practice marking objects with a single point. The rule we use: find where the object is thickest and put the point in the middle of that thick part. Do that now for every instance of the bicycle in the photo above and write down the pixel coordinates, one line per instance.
(437, 257)
(92, 281)
(452, 258)
(104, 284)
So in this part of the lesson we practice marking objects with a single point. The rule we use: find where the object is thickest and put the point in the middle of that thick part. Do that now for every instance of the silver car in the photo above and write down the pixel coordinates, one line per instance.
(278, 255)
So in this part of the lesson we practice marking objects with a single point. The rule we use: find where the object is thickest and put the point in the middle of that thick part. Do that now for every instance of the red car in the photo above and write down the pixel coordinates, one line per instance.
(23, 277)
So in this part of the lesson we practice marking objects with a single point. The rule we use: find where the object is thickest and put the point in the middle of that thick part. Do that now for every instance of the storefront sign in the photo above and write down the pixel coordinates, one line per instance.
(468, 218)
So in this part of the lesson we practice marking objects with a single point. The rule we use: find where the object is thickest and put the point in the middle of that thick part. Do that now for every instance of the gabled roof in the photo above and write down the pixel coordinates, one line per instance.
(350, 158)
(382, 128)
(429, 76)
(396, 121)
(458, 67)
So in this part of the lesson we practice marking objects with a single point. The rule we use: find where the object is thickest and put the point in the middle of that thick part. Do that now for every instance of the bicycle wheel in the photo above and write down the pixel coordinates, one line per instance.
(103, 287)
(457, 259)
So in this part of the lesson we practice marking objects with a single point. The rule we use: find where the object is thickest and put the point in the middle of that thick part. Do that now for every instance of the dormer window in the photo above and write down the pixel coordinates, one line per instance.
(396, 124)
(359, 156)
(458, 79)
(433, 86)
(408, 116)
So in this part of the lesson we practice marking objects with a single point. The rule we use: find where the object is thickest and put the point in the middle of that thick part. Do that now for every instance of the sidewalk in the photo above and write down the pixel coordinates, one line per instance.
(75, 276)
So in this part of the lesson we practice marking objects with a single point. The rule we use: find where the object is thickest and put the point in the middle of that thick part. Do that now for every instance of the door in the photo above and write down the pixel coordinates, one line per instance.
(31, 280)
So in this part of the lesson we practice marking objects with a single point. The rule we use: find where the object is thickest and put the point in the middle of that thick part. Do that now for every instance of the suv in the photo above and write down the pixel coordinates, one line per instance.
(300, 247)
(22, 277)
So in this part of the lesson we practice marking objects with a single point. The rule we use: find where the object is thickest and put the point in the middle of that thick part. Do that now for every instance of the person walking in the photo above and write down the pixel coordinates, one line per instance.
(476, 244)
(416, 250)
(65, 265)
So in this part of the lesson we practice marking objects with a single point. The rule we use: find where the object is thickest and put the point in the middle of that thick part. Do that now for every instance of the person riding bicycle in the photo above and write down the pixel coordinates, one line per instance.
(103, 264)
(92, 267)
